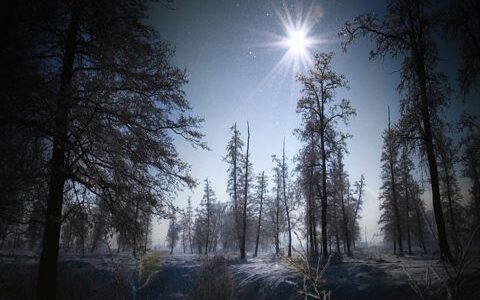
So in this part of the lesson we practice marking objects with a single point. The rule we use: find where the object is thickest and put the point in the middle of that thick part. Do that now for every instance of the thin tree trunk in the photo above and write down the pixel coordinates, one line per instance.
(259, 214)
(394, 193)
(345, 220)
(286, 202)
(409, 242)
(335, 223)
(395, 209)
(277, 225)
(235, 195)
(407, 216)
(47, 270)
(208, 217)
(324, 196)
(245, 196)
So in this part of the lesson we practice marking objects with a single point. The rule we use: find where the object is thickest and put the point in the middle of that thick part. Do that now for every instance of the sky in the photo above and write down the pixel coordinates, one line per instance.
(238, 71)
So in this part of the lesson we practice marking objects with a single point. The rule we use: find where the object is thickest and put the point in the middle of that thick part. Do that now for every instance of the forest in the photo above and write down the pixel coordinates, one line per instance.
(96, 112)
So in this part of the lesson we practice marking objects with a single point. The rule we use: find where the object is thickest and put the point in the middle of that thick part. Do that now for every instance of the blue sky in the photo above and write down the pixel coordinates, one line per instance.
(226, 49)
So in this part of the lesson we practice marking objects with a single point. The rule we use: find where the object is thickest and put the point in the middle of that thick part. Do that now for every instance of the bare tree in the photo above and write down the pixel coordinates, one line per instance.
(245, 197)
(389, 193)
(285, 200)
(405, 32)
(173, 232)
(234, 158)
(318, 102)
(261, 188)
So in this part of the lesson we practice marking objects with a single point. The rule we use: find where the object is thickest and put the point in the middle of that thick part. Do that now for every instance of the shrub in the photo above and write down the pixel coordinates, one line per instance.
(149, 263)
(213, 281)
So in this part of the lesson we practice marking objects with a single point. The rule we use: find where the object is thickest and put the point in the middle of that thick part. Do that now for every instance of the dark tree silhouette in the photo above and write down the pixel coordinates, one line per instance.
(261, 189)
(405, 32)
(245, 197)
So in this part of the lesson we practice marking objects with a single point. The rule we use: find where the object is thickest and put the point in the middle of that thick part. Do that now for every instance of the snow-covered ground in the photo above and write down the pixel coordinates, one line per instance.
(370, 275)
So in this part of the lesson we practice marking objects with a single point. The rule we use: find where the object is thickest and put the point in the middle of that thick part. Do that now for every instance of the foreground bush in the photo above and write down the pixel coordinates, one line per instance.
(149, 263)
(213, 281)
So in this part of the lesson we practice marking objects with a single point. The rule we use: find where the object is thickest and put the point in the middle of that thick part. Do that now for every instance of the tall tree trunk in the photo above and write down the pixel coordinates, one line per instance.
(208, 217)
(335, 223)
(277, 225)
(432, 162)
(313, 208)
(395, 208)
(47, 270)
(407, 224)
(391, 162)
(345, 221)
(286, 202)
(324, 195)
(235, 195)
(245, 197)
(259, 215)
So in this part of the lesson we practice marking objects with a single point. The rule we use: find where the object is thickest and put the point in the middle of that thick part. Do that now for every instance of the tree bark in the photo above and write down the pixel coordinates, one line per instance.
(47, 270)
(445, 253)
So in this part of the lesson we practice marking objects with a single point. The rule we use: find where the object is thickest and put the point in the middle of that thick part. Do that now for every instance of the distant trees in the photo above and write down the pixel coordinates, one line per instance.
(173, 233)
(320, 113)
(234, 159)
(246, 180)
(389, 194)
(403, 213)
(205, 220)
(406, 32)
(187, 226)
(285, 200)
(307, 183)
(260, 197)
(341, 193)
(276, 211)
(357, 205)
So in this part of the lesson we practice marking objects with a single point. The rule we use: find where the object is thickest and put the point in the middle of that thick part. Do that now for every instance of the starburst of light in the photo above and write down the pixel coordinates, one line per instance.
(296, 39)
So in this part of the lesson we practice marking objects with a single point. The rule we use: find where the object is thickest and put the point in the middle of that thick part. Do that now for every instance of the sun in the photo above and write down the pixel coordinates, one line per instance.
(297, 41)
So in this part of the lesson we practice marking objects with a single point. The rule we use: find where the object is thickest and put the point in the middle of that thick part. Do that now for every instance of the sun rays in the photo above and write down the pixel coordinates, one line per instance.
(296, 39)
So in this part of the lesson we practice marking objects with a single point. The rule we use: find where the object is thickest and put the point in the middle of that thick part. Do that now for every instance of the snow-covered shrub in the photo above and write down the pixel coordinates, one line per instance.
(149, 263)
(312, 271)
